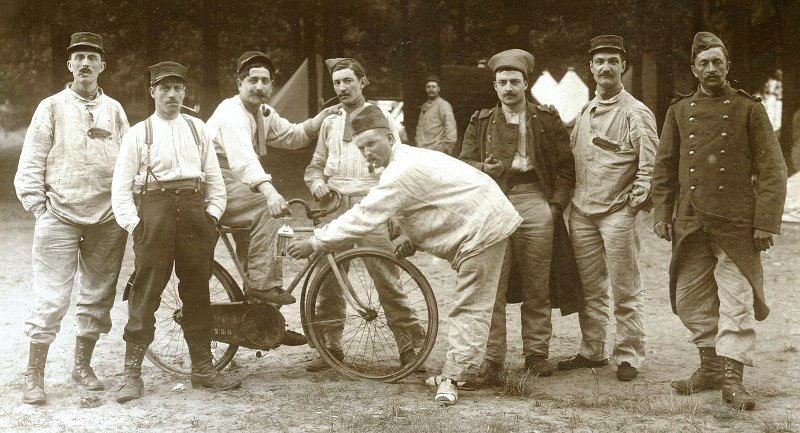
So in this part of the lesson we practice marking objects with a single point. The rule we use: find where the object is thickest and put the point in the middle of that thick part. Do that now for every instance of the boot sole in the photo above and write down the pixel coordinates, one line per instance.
(226, 388)
(743, 406)
(34, 400)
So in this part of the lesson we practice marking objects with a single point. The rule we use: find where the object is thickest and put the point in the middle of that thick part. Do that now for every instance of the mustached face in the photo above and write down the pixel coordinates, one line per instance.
(376, 146)
(607, 68)
(432, 89)
(510, 86)
(711, 68)
(168, 95)
(86, 66)
(348, 87)
(256, 87)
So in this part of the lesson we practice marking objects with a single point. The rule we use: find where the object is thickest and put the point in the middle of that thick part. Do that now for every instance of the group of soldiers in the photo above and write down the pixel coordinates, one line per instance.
(716, 181)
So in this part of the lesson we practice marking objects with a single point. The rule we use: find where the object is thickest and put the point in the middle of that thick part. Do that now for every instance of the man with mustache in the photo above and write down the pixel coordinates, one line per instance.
(448, 209)
(614, 143)
(64, 179)
(338, 164)
(241, 128)
(436, 128)
(719, 185)
(524, 147)
(169, 194)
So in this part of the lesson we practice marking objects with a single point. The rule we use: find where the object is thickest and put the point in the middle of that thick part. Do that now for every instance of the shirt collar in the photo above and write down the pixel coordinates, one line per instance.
(612, 100)
(703, 94)
(81, 98)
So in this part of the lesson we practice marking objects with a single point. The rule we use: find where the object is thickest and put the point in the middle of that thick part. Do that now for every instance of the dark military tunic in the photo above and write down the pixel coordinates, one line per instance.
(719, 162)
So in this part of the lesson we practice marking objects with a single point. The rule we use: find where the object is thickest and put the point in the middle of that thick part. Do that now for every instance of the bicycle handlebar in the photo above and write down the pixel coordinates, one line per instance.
(315, 214)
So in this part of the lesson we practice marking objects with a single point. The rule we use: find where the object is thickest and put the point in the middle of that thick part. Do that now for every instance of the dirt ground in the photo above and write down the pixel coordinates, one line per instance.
(279, 395)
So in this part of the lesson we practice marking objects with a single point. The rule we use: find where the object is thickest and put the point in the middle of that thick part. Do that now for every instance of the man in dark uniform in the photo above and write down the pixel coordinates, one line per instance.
(168, 192)
(719, 185)
(525, 148)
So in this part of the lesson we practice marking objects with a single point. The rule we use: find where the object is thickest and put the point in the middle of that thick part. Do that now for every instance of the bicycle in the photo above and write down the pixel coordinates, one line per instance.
(368, 349)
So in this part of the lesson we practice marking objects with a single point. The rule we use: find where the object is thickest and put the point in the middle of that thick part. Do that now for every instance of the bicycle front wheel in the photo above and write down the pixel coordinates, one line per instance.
(168, 350)
(378, 322)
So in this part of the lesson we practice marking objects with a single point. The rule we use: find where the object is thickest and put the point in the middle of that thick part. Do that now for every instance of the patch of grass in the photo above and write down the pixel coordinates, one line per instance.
(520, 384)
(785, 425)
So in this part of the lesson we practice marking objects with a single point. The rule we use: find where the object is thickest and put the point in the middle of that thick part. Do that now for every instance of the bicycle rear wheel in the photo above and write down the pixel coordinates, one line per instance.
(168, 350)
(389, 308)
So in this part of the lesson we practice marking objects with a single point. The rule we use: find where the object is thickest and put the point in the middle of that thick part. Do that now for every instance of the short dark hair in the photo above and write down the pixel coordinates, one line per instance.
(256, 64)
(506, 68)
(351, 65)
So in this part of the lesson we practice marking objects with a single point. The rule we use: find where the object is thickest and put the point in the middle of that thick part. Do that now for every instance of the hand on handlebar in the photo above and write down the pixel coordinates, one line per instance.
(276, 205)
(320, 190)
(300, 249)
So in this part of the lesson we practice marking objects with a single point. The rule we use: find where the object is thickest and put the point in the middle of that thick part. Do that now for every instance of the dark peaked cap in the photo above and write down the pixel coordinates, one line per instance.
(253, 57)
(331, 63)
(162, 70)
(515, 58)
(612, 42)
(369, 118)
(705, 40)
(90, 40)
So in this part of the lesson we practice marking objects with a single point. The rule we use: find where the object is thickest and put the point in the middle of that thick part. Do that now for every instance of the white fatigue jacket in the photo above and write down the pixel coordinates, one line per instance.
(65, 167)
(174, 155)
(604, 177)
(338, 161)
(446, 207)
(242, 138)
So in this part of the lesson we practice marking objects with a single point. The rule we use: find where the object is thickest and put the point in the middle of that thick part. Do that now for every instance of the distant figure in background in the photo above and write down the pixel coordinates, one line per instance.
(719, 185)
(64, 178)
(436, 129)
(5, 116)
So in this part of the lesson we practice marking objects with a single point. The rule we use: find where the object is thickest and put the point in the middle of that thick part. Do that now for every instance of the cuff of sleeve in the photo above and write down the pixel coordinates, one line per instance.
(315, 244)
(316, 183)
(132, 226)
(257, 183)
(214, 211)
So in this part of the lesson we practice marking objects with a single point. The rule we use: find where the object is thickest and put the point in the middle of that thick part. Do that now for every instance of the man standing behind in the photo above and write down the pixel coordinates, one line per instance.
(436, 128)
(614, 143)
(168, 162)
(525, 148)
(338, 164)
(241, 128)
(64, 178)
(719, 186)
(449, 210)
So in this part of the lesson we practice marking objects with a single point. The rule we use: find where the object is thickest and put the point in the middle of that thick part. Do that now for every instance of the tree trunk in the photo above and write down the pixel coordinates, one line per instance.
(309, 19)
(790, 15)
(209, 94)
(59, 41)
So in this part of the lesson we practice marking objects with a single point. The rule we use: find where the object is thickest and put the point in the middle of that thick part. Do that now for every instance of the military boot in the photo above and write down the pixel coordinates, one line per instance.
(133, 386)
(204, 375)
(33, 391)
(733, 392)
(82, 372)
(708, 376)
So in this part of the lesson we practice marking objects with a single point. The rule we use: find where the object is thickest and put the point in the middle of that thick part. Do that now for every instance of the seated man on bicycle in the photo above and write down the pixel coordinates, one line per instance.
(338, 165)
(445, 207)
(241, 128)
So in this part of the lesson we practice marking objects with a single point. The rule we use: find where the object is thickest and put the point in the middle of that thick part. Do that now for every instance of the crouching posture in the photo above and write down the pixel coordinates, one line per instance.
(444, 207)
(169, 164)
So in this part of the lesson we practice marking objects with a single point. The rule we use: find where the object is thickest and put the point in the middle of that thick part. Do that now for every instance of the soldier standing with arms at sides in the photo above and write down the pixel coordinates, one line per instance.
(168, 166)
(719, 185)
(64, 178)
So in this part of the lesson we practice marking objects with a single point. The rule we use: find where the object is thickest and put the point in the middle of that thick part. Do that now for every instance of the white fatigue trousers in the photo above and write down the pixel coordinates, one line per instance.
(714, 301)
(607, 254)
(403, 321)
(469, 320)
(248, 209)
(62, 253)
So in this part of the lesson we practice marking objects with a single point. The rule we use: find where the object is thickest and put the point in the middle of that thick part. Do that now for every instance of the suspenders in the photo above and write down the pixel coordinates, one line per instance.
(148, 141)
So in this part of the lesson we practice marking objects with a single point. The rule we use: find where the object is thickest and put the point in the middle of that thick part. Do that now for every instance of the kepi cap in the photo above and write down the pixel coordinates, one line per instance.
(705, 40)
(253, 57)
(612, 42)
(369, 118)
(89, 40)
(163, 70)
(515, 58)
(432, 77)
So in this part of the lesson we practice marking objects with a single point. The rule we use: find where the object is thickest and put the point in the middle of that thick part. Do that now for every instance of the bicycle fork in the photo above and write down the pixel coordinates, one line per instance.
(369, 314)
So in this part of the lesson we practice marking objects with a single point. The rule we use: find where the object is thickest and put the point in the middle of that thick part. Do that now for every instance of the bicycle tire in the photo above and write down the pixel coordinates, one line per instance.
(168, 350)
(362, 333)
